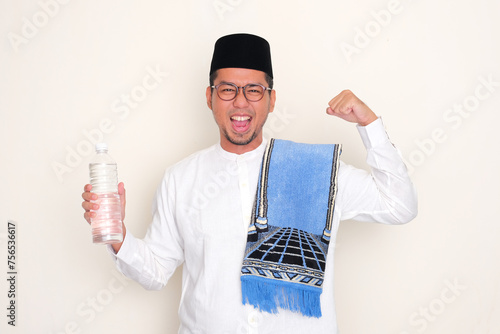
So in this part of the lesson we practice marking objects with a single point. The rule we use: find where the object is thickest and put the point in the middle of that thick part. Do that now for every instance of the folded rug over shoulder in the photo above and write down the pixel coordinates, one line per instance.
(288, 236)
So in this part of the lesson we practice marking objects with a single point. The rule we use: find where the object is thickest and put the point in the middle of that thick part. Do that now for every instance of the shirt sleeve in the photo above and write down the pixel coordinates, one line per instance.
(386, 195)
(152, 261)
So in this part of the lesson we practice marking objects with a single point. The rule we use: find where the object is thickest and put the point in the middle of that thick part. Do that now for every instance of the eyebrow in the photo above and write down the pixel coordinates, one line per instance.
(232, 83)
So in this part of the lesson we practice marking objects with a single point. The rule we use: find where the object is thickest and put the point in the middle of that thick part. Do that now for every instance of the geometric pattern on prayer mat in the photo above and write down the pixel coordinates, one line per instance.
(288, 254)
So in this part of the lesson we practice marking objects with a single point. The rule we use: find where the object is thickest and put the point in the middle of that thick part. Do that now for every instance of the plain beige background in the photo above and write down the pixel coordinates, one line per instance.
(134, 74)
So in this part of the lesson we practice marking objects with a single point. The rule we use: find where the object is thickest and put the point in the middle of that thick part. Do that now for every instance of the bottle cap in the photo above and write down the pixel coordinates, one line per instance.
(101, 147)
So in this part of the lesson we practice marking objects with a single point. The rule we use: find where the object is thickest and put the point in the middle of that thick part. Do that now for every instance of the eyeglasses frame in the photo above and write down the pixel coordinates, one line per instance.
(216, 87)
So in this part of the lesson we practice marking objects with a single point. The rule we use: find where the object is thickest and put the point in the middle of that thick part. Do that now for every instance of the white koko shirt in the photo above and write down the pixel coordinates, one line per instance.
(200, 218)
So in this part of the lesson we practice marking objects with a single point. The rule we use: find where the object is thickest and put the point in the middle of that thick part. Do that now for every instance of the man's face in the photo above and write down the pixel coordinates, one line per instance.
(240, 121)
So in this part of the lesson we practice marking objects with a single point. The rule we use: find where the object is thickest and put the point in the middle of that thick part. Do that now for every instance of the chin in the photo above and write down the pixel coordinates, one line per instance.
(241, 141)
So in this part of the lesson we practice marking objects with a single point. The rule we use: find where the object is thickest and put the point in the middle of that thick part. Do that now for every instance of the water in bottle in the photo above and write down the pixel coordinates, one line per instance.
(107, 225)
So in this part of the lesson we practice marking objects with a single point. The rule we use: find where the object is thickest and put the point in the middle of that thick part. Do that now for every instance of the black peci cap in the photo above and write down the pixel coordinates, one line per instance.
(242, 51)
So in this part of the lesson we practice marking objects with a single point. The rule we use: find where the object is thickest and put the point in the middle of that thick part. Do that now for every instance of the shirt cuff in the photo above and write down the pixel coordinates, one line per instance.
(127, 240)
(373, 134)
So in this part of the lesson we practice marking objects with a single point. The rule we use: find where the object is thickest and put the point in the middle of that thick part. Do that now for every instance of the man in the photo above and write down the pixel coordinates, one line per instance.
(208, 234)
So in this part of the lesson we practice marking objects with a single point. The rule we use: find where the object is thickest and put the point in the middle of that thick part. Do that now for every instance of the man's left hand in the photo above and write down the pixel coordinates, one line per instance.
(349, 107)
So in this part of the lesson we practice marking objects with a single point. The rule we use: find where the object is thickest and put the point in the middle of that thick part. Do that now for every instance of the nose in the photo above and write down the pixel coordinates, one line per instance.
(240, 99)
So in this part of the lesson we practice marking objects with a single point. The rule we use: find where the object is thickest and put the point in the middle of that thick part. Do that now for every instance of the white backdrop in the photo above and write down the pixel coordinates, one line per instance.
(134, 75)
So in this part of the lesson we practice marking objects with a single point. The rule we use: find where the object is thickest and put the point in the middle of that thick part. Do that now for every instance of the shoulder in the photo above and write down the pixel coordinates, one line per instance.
(191, 163)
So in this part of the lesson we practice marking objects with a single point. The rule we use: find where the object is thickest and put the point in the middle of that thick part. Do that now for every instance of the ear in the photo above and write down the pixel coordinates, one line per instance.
(209, 97)
(272, 100)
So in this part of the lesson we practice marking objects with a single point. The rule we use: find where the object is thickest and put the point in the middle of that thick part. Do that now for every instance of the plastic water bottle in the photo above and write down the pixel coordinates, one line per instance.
(107, 225)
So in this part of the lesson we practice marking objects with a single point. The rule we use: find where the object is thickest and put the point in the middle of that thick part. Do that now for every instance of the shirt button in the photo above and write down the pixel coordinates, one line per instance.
(254, 319)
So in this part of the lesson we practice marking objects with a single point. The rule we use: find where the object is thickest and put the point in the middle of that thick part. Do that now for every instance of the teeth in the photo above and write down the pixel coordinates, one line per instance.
(240, 118)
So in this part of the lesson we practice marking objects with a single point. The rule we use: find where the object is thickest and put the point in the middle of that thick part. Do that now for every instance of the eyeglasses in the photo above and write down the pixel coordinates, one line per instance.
(228, 91)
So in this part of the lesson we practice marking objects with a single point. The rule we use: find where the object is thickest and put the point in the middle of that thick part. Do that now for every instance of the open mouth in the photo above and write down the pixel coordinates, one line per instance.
(240, 123)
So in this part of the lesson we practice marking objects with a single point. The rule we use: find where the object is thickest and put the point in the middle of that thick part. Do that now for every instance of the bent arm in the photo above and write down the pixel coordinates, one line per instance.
(152, 261)
(386, 195)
